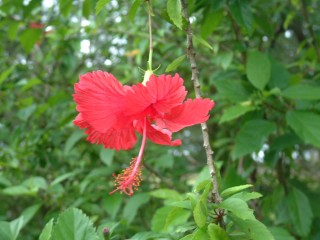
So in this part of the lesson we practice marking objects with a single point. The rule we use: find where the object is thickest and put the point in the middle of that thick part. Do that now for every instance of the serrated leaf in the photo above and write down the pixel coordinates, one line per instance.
(47, 231)
(217, 233)
(175, 12)
(300, 211)
(159, 218)
(306, 125)
(303, 92)
(133, 10)
(73, 224)
(235, 112)
(258, 69)
(230, 191)
(237, 207)
(251, 137)
(241, 11)
(202, 41)
(254, 229)
(176, 63)
(101, 4)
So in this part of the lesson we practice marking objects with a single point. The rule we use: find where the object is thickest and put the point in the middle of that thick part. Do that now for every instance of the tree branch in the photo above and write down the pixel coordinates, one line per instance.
(196, 83)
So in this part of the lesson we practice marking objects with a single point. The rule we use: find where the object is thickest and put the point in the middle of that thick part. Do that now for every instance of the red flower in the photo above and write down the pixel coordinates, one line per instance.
(112, 113)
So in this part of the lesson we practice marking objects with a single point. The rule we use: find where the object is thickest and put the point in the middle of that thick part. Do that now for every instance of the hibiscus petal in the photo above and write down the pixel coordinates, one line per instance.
(166, 91)
(123, 138)
(160, 136)
(99, 97)
(187, 114)
(156, 98)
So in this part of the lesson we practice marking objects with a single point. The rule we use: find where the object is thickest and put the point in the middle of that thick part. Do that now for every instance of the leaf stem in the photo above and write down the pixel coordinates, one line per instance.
(196, 83)
(150, 37)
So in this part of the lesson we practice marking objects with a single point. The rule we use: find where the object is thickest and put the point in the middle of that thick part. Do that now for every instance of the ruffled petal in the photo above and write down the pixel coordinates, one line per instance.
(187, 114)
(100, 97)
(123, 138)
(156, 98)
(159, 135)
(166, 91)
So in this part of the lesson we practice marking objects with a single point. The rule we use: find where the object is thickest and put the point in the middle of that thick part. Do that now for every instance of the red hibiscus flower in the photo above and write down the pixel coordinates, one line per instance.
(112, 114)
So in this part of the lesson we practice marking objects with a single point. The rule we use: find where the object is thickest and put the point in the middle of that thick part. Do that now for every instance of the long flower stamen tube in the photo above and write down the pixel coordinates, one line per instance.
(130, 178)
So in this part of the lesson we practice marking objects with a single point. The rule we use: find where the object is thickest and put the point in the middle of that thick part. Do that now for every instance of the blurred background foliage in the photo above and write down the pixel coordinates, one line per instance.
(259, 61)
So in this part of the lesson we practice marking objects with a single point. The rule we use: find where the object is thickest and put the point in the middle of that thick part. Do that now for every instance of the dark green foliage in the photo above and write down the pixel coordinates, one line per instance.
(259, 61)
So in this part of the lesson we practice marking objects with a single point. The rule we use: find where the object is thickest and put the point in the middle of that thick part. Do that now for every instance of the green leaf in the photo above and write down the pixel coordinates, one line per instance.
(280, 233)
(166, 194)
(133, 204)
(65, 176)
(202, 41)
(303, 92)
(74, 224)
(17, 190)
(285, 141)
(16, 226)
(258, 69)
(86, 8)
(72, 140)
(238, 207)
(5, 231)
(47, 231)
(235, 112)
(174, 12)
(300, 211)
(306, 125)
(251, 137)
(112, 204)
(230, 191)
(217, 233)
(5, 74)
(233, 90)
(133, 10)
(176, 63)
(65, 7)
(254, 229)
(167, 218)
(211, 22)
(246, 196)
(29, 213)
(200, 213)
(106, 155)
(101, 4)
(29, 38)
(13, 30)
(241, 11)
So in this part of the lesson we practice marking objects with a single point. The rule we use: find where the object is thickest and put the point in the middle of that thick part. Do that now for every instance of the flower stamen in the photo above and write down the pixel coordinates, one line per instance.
(129, 179)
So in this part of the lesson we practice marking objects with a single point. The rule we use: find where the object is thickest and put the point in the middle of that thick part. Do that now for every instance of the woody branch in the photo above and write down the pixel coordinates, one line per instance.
(196, 83)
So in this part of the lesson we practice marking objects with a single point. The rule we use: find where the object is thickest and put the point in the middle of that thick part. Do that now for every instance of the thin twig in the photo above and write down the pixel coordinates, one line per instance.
(196, 83)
